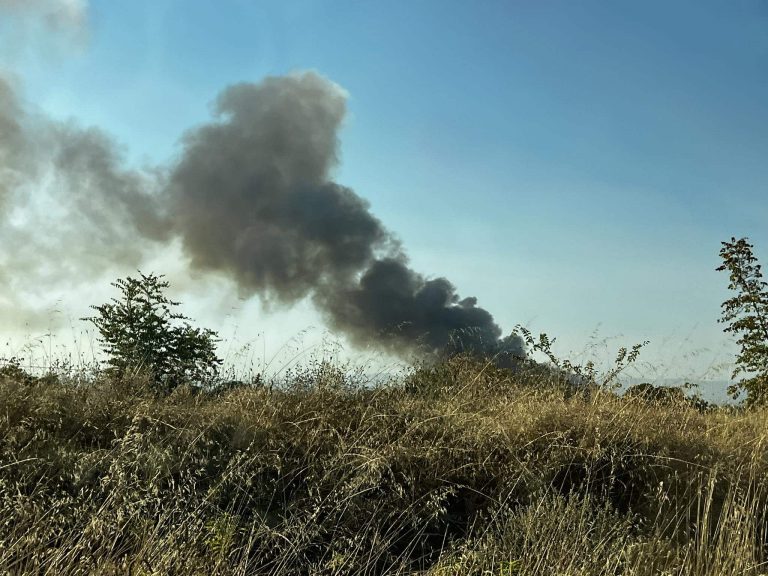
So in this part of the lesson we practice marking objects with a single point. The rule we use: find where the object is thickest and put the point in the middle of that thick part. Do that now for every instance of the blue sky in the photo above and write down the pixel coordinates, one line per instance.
(574, 165)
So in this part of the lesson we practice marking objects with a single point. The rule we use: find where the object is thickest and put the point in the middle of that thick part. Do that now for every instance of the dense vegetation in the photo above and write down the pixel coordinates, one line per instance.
(459, 468)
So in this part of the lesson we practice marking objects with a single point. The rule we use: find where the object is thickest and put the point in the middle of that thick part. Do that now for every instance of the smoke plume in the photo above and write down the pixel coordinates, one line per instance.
(69, 207)
(250, 198)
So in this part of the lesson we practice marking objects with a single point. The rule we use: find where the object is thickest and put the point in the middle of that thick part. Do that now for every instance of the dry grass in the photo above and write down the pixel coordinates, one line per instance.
(458, 469)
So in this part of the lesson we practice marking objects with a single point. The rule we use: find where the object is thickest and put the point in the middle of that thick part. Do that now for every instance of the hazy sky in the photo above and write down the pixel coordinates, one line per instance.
(573, 165)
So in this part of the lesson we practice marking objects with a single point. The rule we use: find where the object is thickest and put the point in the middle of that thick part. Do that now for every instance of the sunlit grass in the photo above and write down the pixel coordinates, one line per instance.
(460, 468)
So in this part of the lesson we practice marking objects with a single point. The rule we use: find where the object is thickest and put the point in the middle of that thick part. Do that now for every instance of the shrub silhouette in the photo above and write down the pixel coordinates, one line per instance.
(747, 315)
(11, 369)
(658, 394)
(139, 335)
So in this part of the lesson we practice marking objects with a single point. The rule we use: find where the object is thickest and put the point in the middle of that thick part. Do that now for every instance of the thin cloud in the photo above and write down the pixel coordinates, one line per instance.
(55, 13)
(37, 22)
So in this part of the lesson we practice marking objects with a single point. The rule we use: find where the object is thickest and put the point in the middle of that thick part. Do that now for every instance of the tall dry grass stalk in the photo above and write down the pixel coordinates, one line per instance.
(459, 468)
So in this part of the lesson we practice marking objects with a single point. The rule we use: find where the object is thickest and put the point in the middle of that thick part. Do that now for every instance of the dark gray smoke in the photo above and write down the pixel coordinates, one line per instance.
(394, 304)
(117, 203)
(12, 143)
(252, 198)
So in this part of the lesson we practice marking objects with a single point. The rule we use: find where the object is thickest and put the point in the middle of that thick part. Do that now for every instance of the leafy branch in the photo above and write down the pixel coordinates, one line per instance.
(747, 316)
(587, 374)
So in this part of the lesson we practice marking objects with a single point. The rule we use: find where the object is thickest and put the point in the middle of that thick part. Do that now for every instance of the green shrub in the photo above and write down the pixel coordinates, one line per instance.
(139, 335)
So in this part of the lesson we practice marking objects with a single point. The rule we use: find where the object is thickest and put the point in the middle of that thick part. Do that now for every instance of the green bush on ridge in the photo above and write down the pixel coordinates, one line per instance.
(139, 336)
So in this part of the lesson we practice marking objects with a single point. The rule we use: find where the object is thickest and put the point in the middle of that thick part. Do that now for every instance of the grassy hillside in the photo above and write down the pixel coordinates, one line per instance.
(458, 469)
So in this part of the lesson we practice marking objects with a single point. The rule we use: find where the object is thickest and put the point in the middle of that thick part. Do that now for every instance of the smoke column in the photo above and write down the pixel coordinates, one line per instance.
(251, 198)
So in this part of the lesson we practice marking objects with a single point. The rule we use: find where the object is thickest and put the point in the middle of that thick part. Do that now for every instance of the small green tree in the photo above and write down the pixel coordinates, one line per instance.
(747, 316)
(139, 334)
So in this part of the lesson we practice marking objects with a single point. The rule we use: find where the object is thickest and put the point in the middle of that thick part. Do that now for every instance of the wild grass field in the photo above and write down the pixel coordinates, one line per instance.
(459, 468)
(463, 465)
